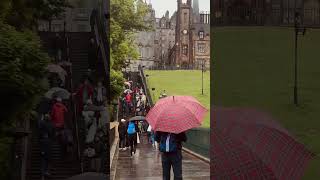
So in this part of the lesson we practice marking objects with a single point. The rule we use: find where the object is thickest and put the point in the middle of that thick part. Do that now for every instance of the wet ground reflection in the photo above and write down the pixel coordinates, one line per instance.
(146, 165)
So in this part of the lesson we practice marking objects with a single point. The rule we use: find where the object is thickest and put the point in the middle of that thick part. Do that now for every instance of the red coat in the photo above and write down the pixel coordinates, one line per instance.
(128, 98)
(57, 114)
(79, 94)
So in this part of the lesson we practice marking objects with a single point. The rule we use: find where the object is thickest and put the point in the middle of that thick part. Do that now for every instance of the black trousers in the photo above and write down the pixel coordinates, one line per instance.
(122, 143)
(173, 160)
(132, 142)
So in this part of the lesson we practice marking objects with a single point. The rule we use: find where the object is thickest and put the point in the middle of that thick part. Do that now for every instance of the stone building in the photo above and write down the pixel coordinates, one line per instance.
(145, 42)
(201, 44)
(192, 37)
(164, 40)
(183, 38)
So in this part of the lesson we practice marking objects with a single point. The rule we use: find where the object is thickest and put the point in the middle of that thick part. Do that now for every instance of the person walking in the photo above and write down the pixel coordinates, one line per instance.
(122, 130)
(83, 93)
(132, 137)
(100, 94)
(58, 120)
(140, 127)
(45, 138)
(170, 146)
(149, 132)
(128, 103)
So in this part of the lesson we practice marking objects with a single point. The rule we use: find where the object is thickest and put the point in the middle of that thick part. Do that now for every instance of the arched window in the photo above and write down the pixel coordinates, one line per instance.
(201, 34)
(185, 49)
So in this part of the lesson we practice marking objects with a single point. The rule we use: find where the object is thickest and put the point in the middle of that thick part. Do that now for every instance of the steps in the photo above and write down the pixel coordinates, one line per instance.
(59, 167)
(79, 50)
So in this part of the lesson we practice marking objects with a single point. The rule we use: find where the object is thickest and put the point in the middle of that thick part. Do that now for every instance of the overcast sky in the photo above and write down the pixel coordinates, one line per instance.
(161, 6)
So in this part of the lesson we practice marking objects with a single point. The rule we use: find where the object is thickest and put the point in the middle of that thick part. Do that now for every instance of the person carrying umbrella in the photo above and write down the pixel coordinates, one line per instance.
(122, 134)
(132, 136)
(170, 145)
(170, 118)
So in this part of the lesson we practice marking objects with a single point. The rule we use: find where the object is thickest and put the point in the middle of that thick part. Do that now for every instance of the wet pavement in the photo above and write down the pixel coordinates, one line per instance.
(146, 165)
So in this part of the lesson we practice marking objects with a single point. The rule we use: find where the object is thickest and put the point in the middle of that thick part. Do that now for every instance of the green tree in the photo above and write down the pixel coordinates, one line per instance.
(22, 82)
(24, 14)
(127, 18)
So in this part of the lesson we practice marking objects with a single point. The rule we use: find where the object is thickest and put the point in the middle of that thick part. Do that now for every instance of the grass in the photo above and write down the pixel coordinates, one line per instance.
(181, 83)
(254, 67)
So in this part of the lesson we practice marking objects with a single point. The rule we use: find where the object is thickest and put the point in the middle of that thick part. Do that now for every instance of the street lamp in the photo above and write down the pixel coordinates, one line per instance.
(202, 70)
(298, 31)
(153, 89)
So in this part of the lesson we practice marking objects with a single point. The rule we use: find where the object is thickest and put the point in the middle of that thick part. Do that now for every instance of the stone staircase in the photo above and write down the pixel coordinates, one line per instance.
(79, 49)
(59, 167)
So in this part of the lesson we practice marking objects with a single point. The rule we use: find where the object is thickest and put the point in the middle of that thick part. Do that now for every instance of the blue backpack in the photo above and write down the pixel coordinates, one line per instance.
(131, 128)
(168, 143)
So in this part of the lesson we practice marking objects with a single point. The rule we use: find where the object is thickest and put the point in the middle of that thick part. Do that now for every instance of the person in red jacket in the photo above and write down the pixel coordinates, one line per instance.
(57, 114)
(83, 93)
(58, 120)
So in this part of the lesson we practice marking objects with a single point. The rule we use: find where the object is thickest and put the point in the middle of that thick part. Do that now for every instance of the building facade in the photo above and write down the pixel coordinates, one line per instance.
(191, 49)
(201, 45)
(145, 42)
(165, 38)
(183, 38)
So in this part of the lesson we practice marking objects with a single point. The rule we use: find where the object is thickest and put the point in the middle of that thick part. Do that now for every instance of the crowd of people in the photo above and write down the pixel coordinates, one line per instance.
(55, 125)
(133, 101)
(93, 116)
(131, 131)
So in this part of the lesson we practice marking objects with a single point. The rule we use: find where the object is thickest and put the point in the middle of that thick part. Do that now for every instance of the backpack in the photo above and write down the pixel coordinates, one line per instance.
(168, 143)
(131, 128)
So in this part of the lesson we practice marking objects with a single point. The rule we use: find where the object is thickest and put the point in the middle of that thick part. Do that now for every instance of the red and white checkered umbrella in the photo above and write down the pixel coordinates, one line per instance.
(176, 114)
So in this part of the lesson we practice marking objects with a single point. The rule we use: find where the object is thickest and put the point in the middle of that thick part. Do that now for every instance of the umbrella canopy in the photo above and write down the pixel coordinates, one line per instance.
(137, 118)
(127, 91)
(53, 68)
(248, 144)
(176, 114)
(89, 175)
(65, 63)
(57, 92)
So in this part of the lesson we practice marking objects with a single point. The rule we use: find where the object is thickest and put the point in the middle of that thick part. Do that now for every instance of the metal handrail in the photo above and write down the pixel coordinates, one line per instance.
(74, 106)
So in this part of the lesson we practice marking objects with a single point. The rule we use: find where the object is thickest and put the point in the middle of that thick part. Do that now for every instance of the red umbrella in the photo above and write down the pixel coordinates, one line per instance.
(176, 114)
(247, 144)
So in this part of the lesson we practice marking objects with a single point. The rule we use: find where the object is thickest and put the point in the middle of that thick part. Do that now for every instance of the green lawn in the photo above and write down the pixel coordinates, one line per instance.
(253, 67)
(181, 83)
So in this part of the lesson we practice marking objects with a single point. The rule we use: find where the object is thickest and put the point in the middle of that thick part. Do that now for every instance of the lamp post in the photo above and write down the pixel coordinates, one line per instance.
(153, 89)
(202, 70)
(298, 31)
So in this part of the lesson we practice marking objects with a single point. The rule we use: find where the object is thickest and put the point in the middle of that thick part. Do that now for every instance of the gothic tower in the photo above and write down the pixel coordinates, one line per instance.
(183, 40)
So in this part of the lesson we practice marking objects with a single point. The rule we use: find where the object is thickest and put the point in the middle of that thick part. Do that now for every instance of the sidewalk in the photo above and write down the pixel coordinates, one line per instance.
(146, 165)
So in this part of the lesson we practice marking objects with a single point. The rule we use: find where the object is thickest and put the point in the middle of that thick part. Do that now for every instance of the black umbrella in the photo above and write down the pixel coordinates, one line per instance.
(89, 175)
(138, 118)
